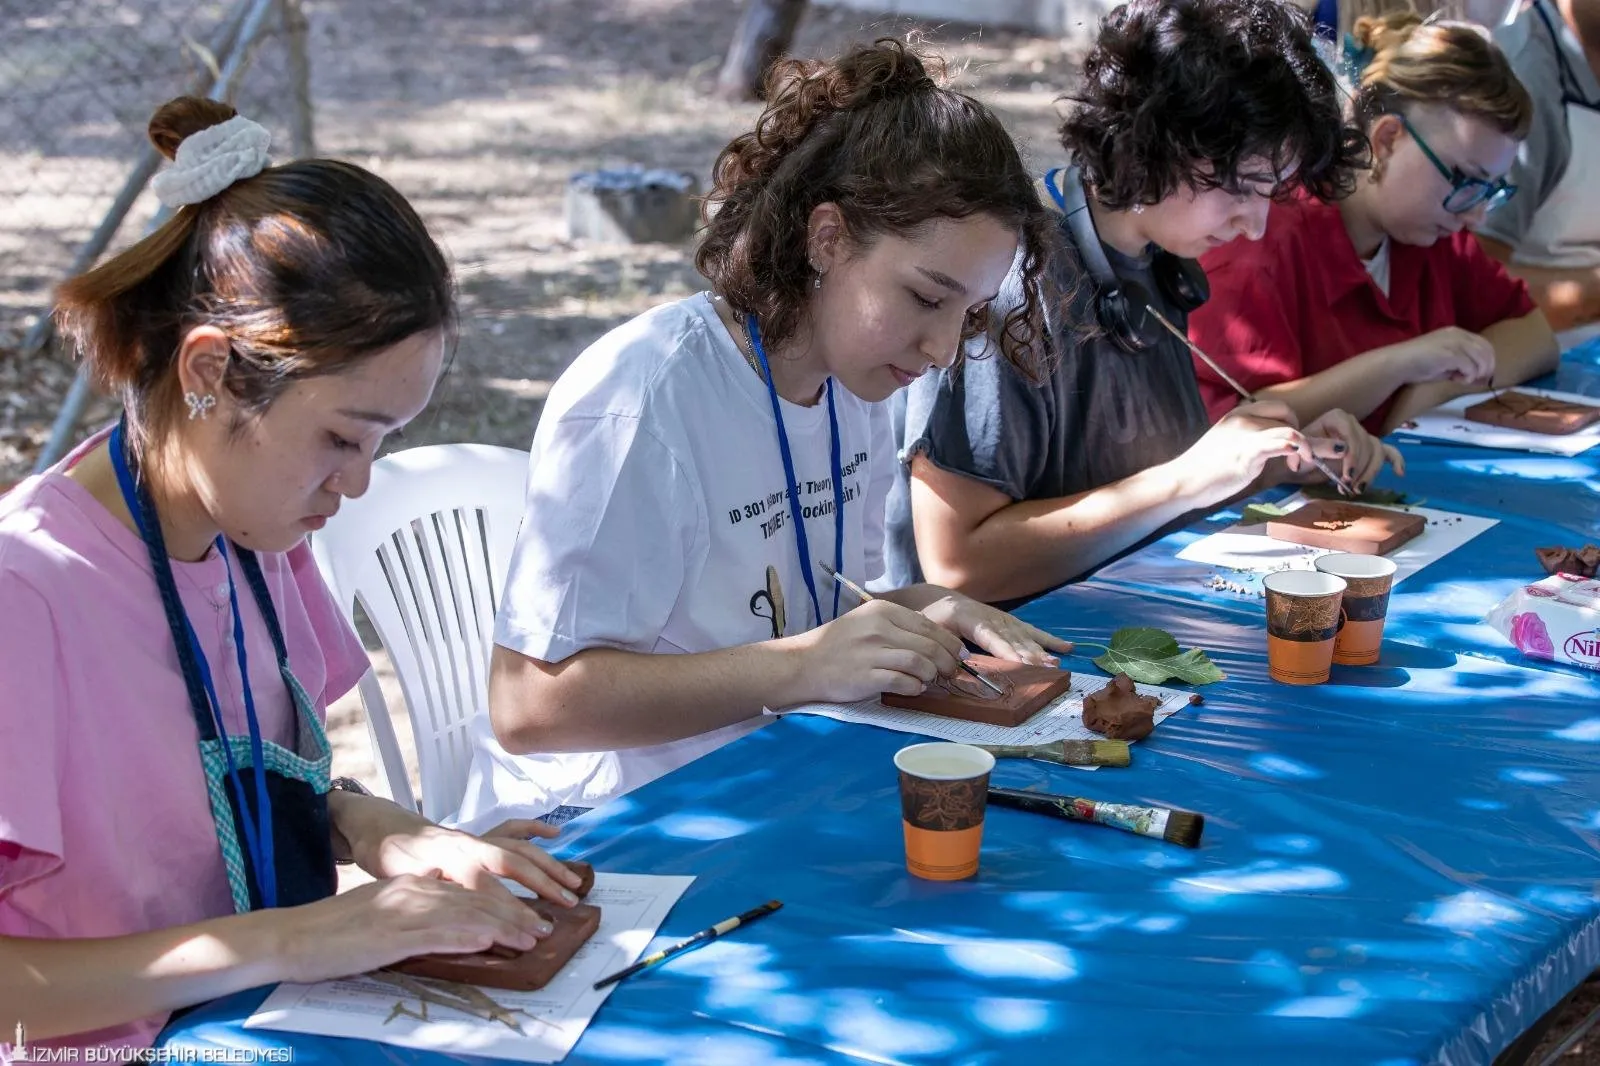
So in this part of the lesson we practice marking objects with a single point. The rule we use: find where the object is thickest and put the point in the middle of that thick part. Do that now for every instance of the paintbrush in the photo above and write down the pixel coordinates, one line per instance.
(1202, 356)
(1176, 827)
(1323, 468)
(727, 925)
(1067, 752)
(866, 597)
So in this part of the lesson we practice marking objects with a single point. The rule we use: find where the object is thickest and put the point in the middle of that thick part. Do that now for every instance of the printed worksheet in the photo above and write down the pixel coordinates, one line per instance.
(540, 1026)
(1246, 549)
(1447, 422)
(1060, 719)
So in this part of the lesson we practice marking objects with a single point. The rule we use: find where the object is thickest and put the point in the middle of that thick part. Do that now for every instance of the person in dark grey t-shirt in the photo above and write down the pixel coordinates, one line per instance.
(1192, 115)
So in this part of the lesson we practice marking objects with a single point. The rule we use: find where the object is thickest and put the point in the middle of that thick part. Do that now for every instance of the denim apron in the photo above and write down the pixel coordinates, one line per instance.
(269, 803)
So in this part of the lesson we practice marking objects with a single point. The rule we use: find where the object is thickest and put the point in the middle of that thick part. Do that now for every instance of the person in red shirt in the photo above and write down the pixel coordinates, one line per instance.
(1384, 304)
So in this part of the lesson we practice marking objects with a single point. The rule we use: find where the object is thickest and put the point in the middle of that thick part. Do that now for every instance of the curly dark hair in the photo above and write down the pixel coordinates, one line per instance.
(1184, 92)
(875, 134)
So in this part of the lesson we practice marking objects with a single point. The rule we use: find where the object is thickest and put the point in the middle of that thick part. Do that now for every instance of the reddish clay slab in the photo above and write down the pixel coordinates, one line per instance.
(526, 971)
(1119, 711)
(1346, 527)
(1027, 690)
(1536, 414)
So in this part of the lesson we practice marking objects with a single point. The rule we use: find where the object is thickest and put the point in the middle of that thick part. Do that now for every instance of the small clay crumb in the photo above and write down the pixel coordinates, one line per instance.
(1581, 562)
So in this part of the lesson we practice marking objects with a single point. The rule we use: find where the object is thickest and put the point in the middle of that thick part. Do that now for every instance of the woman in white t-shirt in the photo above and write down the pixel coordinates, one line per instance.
(696, 468)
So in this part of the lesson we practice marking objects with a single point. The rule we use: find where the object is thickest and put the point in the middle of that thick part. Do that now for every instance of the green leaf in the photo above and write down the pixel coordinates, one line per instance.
(1260, 512)
(1152, 656)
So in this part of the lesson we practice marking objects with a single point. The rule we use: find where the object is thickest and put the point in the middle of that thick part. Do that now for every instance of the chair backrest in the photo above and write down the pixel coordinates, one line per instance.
(425, 552)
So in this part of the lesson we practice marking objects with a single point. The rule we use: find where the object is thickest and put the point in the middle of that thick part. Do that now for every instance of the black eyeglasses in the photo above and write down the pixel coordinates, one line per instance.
(1466, 192)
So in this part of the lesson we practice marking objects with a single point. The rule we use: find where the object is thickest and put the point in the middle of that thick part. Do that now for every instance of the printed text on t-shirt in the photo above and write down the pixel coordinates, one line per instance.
(773, 511)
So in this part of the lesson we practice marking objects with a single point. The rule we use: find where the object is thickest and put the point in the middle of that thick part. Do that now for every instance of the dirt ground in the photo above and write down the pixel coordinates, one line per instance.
(1586, 1052)
(480, 110)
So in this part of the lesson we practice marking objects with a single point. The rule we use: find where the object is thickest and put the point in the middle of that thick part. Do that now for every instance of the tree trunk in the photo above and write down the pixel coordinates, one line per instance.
(763, 35)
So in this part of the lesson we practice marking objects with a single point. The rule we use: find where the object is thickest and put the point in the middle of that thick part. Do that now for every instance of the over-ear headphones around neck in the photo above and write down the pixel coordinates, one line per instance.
(1123, 307)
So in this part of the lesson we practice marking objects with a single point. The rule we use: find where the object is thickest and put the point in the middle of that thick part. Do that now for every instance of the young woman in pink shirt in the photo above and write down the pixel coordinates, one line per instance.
(168, 828)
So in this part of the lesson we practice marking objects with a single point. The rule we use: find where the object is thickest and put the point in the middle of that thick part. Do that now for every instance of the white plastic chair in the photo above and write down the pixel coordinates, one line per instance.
(425, 552)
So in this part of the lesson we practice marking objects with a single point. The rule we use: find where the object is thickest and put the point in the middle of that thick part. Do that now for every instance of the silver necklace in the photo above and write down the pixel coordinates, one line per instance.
(748, 349)
(749, 352)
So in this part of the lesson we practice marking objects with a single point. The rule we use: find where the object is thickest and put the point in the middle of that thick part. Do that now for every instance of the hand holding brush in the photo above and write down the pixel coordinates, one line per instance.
(866, 597)
(1245, 394)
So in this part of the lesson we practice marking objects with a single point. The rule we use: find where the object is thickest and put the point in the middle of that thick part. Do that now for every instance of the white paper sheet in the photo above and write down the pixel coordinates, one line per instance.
(522, 1026)
(1248, 549)
(1061, 719)
(1447, 422)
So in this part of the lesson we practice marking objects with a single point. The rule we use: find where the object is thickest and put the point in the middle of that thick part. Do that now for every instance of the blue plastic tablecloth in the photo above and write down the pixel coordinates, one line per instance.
(1401, 866)
(1537, 500)
(1586, 354)
(1398, 867)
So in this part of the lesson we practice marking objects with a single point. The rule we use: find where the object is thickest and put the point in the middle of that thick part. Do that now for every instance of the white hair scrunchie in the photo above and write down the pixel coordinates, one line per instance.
(210, 160)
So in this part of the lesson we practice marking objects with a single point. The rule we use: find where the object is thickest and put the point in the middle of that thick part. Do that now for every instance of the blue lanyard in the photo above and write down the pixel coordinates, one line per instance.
(192, 660)
(801, 543)
(1055, 193)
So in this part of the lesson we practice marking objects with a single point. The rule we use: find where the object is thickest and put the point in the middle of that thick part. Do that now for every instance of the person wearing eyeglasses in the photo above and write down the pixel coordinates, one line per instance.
(1549, 236)
(1383, 303)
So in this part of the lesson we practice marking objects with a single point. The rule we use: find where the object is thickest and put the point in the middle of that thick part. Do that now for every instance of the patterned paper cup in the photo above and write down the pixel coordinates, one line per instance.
(1365, 605)
(1302, 621)
(944, 789)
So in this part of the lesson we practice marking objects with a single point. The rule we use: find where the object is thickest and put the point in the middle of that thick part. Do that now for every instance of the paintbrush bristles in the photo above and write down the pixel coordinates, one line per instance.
(1184, 827)
(1106, 752)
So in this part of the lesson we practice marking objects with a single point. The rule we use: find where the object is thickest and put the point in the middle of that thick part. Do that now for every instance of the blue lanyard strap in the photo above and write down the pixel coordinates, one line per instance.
(802, 544)
(196, 670)
(1055, 193)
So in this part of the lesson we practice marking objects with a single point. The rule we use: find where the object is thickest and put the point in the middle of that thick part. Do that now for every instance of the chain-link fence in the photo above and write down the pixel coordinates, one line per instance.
(79, 80)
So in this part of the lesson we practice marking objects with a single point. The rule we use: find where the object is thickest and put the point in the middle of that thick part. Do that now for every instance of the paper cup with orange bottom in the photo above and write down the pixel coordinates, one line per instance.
(1368, 579)
(1302, 621)
(944, 790)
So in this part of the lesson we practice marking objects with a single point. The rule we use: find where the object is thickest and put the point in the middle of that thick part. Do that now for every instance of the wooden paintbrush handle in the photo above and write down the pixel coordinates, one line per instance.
(1066, 752)
(1035, 803)
(1010, 751)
